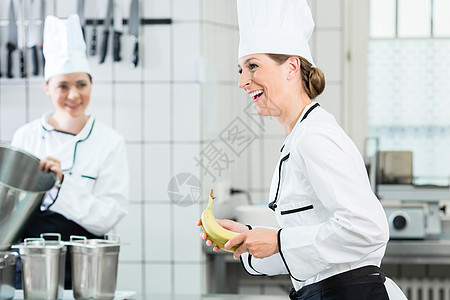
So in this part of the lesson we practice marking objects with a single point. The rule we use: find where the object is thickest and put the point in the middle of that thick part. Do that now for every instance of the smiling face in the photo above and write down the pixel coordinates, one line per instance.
(265, 81)
(70, 93)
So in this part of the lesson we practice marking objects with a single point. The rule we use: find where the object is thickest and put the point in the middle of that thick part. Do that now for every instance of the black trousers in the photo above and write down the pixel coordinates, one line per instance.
(52, 222)
(365, 283)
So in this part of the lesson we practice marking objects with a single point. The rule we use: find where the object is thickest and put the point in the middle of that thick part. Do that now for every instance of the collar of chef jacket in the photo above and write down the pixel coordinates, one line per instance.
(66, 152)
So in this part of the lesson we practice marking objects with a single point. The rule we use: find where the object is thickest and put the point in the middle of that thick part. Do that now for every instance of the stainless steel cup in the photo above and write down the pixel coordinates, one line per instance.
(7, 274)
(22, 188)
(94, 267)
(43, 266)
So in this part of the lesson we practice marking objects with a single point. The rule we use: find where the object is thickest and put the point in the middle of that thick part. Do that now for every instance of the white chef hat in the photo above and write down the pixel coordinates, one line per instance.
(64, 47)
(275, 26)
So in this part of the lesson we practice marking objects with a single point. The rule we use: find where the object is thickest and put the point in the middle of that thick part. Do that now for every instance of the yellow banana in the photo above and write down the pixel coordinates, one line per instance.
(216, 233)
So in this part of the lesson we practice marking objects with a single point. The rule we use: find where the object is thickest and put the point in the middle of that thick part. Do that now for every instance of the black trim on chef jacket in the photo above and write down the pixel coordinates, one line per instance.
(282, 256)
(249, 263)
(273, 204)
(76, 145)
(296, 210)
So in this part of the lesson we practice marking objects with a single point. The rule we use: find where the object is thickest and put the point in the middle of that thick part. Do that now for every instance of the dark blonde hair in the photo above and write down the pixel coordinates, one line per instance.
(313, 79)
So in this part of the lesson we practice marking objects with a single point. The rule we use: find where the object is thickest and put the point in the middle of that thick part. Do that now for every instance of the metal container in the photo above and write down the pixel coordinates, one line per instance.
(43, 266)
(7, 274)
(94, 267)
(22, 188)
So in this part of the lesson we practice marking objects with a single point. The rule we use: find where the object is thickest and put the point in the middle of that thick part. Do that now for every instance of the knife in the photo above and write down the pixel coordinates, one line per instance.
(118, 29)
(11, 45)
(80, 12)
(32, 39)
(93, 44)
(21, 40)
(133, 29)
(104, 45)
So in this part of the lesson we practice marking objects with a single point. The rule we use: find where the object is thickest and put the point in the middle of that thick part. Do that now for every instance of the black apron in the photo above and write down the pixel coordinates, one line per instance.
(365, 283)
(51, 222)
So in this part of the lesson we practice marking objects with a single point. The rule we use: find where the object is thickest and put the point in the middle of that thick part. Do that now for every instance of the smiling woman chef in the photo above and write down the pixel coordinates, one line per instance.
(333, 230)
(88, 157)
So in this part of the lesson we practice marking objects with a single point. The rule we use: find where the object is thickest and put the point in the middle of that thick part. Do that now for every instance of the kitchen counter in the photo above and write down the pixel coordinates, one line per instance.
(126, 295)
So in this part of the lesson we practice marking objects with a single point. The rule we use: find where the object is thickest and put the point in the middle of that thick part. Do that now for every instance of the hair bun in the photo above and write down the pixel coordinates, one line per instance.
(316, 82)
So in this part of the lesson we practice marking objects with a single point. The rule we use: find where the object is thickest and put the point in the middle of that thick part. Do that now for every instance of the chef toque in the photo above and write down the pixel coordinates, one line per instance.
(64, 47)
(275, 26)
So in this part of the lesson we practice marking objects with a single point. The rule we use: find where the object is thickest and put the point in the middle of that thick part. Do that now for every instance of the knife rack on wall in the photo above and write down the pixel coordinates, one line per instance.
(88, 22)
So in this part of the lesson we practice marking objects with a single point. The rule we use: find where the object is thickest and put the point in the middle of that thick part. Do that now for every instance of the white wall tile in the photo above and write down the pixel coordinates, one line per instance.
(156, 56)
(184, 159)
(65, 8)
(187, 101)
(158, 279)
(157, 117)
(331, 100)
(186, 53)
(157, 172)
(4, 10)
(102, 102)
(39, 102)
(328, 13)
(134, 154)
(12, 110)
(329, 54)
(130, 231)
(187, 241)
(156, 9)
(186, 10)
(128, 111)
(188, 279)
(129, 277)
(158, 230)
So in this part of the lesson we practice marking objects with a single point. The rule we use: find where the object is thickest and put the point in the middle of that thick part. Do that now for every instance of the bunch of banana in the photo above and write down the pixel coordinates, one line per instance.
(216, 233)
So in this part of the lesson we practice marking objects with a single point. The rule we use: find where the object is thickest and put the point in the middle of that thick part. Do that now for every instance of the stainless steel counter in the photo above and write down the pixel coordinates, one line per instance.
(123, 295)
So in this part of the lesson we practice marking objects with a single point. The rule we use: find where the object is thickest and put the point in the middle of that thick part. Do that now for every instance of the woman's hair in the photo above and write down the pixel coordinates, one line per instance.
(313, 79)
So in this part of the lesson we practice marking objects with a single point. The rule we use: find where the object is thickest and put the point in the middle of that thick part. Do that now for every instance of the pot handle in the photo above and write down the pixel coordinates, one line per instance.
(57, 235)
(41, 241)
(112, 237)
(78, 237)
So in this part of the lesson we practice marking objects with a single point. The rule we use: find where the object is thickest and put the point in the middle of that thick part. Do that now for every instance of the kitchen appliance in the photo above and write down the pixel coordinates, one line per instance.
(412, 210)
(94, 267)
(43, 265)
(416, 212)
(7, 274)
(22, 188)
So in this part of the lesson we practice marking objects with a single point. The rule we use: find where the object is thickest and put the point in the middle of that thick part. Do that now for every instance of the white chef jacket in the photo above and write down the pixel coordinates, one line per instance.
(95, 188)
(330, 220)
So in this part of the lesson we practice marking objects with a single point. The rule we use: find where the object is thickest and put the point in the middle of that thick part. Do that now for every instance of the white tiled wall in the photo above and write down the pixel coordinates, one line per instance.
(180, 98)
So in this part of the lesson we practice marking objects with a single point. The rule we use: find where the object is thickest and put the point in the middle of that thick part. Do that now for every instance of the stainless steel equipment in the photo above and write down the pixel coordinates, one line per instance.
(94, 267)
(43, 265)
(7, 274)
(22, 188)
(416, 214)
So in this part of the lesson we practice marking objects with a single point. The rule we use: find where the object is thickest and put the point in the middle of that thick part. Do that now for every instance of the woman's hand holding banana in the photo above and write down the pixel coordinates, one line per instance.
(259, 242)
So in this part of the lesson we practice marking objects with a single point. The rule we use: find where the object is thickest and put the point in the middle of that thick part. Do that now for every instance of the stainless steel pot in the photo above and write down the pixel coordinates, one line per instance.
(94, 267)
(43, 266)
(22, 188)
(7, 274)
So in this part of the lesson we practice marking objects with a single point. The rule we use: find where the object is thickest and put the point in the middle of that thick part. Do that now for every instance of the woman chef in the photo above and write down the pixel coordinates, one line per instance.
(88, 157)
(333, 230)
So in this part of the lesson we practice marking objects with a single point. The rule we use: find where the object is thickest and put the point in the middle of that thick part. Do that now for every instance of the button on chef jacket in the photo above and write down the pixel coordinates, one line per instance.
(95, 189)
(330, 220)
